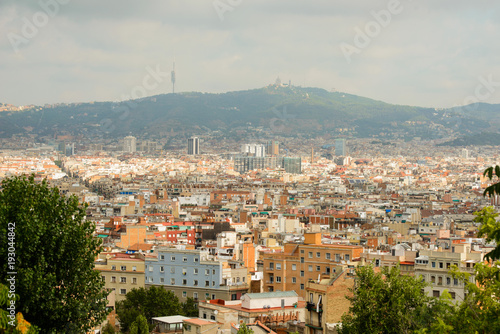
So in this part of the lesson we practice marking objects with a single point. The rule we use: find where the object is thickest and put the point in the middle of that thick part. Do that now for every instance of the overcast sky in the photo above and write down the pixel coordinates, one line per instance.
(425, 53)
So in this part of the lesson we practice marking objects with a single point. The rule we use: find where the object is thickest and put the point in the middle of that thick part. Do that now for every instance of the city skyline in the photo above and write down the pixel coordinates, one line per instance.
(396, 51)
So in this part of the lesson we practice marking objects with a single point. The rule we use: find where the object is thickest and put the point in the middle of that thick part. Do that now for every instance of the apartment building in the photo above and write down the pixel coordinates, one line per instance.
(121, 272)
(196, 274)
(299, 263)
(326, 302)
(433, 267)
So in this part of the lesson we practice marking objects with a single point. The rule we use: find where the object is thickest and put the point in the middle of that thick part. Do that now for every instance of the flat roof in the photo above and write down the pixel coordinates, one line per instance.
(173, 319)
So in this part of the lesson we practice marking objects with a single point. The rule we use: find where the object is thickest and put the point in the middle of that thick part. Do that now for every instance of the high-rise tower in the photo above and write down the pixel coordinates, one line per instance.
(193, 146)
(172, 78)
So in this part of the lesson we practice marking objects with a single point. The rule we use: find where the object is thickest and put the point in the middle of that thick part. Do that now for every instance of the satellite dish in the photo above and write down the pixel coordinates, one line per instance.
(216, 312)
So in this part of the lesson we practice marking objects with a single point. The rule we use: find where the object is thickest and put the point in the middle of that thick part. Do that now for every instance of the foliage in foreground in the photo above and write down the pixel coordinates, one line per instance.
(388, 302)
(58, 288)
(149, 303)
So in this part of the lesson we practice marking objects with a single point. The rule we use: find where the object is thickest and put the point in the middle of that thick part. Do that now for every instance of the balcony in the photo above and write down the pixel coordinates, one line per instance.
(313, 307)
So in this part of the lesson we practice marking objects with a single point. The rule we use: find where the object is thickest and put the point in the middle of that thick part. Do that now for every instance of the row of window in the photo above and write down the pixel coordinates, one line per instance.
(122, 279)
(294, 267)
(123, 268)
(440, 280)
(184, 281)
(327, 255)
(271, 289)
(172, 258)
(184, 270)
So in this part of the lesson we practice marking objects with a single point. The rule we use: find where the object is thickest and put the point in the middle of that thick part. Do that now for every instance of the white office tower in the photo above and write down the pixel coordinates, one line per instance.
(258, 150)
(129, 144)
(193, 146)
(465, 153)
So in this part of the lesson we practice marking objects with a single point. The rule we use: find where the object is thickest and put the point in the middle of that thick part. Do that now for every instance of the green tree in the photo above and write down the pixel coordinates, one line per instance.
(58, 288)
(489, 229)
(244, 329)
(190, 308)
(12, 323)
(140, 326)
(108, 329)
(480, 310)
(388, 302)
(151, 302)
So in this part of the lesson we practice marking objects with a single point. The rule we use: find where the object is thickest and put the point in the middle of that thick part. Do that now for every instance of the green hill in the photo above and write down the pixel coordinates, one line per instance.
(291, 110)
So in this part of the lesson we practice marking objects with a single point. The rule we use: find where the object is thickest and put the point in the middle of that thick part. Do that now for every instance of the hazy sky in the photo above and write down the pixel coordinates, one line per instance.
(426, 53)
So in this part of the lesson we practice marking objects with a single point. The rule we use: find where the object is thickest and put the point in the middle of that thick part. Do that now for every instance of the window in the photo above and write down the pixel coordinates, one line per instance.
(134, 268)
(172, 258)
(301, 286)
(294, 267)
(278, 279)
(207, 271)
(453, 296)
(455, 281)
(184, 271)
(433, 264)
(184, 294)
(196, 271)
(162, 280)
(294, 280)
(162, 257)
(103, 278)
(150, 279)
(346, 257)
(195, 259)
(310, 268)
(195, 282)
(213, 271)
(213, 296)
(448, 281)
(441, 266)
(327, 255)
(184, 281)
(301, 260)
(435, 293)
(123, 291)
(184, 259)
(123, 280)
(113, 267)
(234, 296)
(318, 254)
(195, 295)
(440, 280)
(311, 298)
(172, 270)
(212, 317)
(448, 264)
(302, 273)
(271, 265)
(377, 263)
(310, 255)
(113, 279)
(207, 296)
(162, 269)
(318, 268)
(172, 281)
(301, 251)
(213, 283)
(207, 283)
(204, 314)
(433, 279)
(278, 266)
(337, 257)
(150, 268)
(123, 268)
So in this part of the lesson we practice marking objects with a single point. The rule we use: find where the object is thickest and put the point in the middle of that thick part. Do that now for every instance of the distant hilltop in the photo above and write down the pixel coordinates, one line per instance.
(275, 110)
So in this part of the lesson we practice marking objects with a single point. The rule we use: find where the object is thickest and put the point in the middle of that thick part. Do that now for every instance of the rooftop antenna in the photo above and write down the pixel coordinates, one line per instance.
(172, 78)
